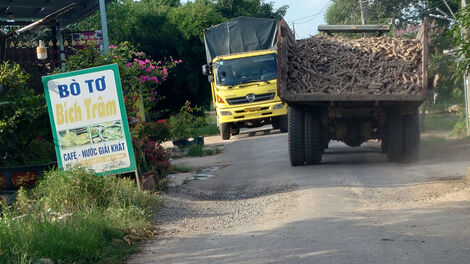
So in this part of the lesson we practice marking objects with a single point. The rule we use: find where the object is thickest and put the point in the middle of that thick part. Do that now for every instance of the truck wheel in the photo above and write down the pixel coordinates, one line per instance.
(276, 122)
(325, 138)
(296, 136)
(283, 126)
(383, 143)
(225, 130)
(411, 137)
(313, 140)
(394, 136)
(235, 131)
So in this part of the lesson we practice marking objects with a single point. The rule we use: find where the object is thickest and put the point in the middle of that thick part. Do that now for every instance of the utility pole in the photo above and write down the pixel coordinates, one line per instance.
(293, 28)
(363, 5)
(104, 26)
(464, 33)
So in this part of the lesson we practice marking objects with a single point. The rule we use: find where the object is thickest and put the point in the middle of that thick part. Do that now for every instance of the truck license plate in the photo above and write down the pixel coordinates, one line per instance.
(252, 109)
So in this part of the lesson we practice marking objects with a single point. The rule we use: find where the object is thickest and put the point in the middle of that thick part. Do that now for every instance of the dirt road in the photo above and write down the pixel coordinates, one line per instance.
(353, 208)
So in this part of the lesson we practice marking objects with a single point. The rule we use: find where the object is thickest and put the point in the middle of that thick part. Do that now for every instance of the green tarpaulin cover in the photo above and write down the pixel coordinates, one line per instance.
(240, 34)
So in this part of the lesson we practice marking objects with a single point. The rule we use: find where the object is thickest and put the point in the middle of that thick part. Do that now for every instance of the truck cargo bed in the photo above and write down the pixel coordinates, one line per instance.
(285, 38)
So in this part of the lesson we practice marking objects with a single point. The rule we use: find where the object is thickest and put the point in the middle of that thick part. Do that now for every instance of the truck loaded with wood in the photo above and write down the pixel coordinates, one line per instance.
(352, 90)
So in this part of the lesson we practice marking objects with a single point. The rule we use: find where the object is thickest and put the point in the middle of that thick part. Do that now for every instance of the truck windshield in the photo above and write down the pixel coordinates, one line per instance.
(246, 70)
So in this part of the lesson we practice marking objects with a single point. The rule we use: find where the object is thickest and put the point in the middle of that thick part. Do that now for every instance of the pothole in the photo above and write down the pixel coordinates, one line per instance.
(202, 176)
(210, 169)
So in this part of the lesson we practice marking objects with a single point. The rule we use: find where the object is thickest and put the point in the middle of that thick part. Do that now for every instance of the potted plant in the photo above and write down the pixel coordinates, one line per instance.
(27, 149)
(185, 124)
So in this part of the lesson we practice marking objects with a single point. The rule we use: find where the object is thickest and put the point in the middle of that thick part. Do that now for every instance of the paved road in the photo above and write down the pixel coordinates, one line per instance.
(353, 208)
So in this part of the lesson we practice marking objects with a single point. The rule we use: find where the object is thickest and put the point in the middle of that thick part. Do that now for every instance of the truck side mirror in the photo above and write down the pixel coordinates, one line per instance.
(206, 70)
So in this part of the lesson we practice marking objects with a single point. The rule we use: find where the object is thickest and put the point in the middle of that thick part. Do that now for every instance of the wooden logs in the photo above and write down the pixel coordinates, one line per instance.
(339, 65)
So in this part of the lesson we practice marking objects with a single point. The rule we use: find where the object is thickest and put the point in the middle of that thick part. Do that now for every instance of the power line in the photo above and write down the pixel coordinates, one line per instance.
(445, 2)
(311, 16)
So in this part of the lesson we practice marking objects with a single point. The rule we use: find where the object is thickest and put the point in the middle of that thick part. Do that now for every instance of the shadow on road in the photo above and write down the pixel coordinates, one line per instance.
(369, 236)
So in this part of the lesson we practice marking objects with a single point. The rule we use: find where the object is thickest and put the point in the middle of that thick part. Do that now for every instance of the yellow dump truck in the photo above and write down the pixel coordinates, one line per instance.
(242, 70)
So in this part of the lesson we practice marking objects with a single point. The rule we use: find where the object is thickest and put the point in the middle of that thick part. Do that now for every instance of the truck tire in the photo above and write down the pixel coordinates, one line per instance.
(383, 142)
(283, 126)
(276, 122)
(225, 130)
(235, 131)
(411, 137)
(394, 134)
(296, 136)
(313, 140)
(325, 138)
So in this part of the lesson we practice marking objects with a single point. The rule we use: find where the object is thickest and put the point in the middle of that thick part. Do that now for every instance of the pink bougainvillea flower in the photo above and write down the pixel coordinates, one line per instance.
(154, 79)
(129, 64)
(180, 61)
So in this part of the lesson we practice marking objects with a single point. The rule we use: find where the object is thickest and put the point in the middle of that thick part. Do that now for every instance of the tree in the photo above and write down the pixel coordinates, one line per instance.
(253, 8)
(167, 28)
(406, 11)
(343, 12)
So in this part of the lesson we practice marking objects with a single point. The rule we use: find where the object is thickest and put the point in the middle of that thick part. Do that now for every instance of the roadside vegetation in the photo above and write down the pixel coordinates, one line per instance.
(210, 128)
(76, 216)
(164, 28)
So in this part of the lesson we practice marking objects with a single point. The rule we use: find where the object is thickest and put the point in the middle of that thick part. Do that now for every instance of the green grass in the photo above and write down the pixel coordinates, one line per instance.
(198, 150)
(75, 216)
(211, 128)
(432, 142)
(180, 169)
(208, 130)
(440, 121)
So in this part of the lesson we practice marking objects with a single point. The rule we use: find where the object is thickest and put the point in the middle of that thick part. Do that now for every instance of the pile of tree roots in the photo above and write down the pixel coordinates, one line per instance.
(339, 65)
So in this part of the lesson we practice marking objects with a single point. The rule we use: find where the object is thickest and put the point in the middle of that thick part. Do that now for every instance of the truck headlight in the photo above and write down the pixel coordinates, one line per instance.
(278, 106)
(225, 113)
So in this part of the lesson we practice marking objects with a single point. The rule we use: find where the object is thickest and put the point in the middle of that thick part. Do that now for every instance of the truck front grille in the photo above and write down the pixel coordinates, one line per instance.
(255, 98)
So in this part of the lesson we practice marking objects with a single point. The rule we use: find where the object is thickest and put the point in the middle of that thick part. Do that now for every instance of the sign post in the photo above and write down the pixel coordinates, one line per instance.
(89, 121)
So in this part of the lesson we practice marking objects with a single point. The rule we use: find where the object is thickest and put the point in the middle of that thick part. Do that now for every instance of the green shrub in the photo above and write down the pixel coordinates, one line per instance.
(157, 131)
(75, 216)
(23, 121)
(445, 121)
(196, 150)
(187, 122)
(460, 128)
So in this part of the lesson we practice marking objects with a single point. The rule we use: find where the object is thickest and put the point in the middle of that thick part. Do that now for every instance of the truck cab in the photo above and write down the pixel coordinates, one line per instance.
(242, 70)
(244, 92)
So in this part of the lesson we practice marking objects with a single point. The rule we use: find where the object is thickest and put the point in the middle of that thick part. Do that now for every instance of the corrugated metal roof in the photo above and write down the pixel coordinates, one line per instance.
(31, 10)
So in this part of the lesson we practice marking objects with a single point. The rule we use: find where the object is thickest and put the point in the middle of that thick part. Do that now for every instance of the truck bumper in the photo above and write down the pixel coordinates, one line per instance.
(246, 113)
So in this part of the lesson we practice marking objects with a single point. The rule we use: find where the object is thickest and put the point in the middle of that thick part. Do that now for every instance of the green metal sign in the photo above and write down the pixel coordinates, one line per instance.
(89, 121)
